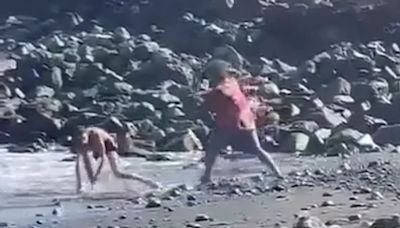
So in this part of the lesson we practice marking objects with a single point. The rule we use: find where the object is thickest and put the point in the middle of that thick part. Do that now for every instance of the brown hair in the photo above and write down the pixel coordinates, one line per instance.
(77, 137)
(273, 117)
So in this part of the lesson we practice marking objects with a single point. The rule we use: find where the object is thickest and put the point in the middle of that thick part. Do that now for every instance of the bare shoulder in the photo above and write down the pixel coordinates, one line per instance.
(96, 130)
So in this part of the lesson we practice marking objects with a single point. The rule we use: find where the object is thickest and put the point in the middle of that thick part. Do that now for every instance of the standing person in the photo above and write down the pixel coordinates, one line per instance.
(102, 145)
(235, 123)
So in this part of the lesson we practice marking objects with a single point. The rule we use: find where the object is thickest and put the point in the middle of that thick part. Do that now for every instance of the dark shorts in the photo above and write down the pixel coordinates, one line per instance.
(110, 146)
(239, 139)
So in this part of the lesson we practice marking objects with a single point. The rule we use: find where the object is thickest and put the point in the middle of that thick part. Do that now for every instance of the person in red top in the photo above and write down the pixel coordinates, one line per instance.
(235, 123)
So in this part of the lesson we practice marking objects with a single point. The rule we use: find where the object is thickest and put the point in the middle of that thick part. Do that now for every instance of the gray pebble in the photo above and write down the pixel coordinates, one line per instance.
(193, 225)
(328, 203)
(327, 194)
(153, 203)
(202, 218)
(355, 217)
(122, 217)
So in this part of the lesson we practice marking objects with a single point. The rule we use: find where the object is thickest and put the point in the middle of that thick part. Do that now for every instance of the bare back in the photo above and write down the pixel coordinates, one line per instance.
(99, 141)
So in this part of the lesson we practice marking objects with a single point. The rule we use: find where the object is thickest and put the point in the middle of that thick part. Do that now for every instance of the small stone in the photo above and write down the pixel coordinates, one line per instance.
(202, 218)
(122, 217)
(169, 209)
(184, 187)
(237, 191)
(328, 203)
(337, 222)
(295, 174)
(191, 198)
(353, 198)
(191, 203)
(167, 198)
(254, 191)
(3, 224)
(357, 205)
(40, 222)
(121, 34)
(376, 196)
(356, 217)
(327, 194)
(365, 190)
(319, 172)
(153, 203)
(39, 215)
(56, 211)
(56, 79)
(193, 225)
(89, 206)
(176, 193)
(278, 188)
(309, 222)
(373, 164)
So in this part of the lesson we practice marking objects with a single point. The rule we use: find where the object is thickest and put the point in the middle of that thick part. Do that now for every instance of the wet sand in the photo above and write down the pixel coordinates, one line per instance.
(39, 183)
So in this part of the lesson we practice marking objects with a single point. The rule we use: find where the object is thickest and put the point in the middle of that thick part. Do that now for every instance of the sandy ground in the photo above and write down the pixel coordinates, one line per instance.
(265, 210)
(33, 185)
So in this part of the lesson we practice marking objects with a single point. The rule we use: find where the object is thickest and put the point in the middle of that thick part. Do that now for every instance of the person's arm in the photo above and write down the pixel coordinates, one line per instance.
(78, 174)
(88, 167)
(100, 149)
(207, 104)
(251, 85)
(96, 175)
(206, 107)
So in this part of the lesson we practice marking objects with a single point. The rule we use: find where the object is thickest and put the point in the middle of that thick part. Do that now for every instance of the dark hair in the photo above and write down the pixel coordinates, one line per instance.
(78, 131)
(77, 134)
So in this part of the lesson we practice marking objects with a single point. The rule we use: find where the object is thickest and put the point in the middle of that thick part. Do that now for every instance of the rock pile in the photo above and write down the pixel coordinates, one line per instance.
(83, 68)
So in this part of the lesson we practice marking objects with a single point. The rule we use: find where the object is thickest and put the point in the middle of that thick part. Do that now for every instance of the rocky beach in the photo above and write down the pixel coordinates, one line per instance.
(329, 68)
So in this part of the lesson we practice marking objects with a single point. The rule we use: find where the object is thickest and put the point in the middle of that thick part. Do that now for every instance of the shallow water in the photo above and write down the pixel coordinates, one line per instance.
(44, 175)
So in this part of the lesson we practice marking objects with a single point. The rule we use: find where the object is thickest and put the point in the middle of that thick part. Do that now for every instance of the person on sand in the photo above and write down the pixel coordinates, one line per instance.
(101, 144)
(235, 123)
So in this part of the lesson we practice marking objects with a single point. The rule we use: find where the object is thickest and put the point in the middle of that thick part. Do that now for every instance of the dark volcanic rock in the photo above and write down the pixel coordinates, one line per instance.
(150, 61)
(392, 222)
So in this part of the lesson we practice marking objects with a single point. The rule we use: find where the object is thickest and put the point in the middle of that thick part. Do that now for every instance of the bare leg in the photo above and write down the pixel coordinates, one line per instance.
(113, 164)
(264, 156)
(217, 143)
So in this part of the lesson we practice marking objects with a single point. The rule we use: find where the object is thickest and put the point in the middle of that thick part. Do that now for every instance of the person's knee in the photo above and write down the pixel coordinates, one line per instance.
(262, 153)
(118, 174)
